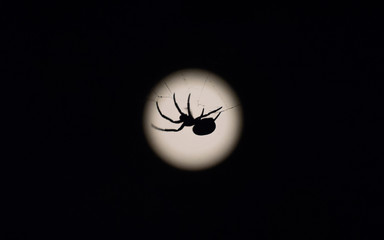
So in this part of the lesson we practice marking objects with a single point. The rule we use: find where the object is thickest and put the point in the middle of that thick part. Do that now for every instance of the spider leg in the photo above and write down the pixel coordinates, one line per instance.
(177, 106)
(168, 130)
(202, 112)
(217, 116)
(169, 119)
(205, 115)
(189, 106)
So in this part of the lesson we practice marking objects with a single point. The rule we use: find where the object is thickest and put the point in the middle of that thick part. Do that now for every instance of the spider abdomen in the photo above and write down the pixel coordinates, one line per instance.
(204, 126)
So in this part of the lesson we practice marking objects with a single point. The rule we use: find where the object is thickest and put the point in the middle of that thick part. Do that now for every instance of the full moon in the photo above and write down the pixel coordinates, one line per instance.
(184, 149)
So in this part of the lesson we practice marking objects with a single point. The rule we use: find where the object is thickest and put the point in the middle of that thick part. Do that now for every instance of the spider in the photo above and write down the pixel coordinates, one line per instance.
(201, 125)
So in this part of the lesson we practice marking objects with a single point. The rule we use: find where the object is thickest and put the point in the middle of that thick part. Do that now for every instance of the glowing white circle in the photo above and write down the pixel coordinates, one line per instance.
(184, 149)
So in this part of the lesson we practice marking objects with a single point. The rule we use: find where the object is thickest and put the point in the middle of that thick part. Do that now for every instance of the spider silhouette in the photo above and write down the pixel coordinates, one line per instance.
(201, 125)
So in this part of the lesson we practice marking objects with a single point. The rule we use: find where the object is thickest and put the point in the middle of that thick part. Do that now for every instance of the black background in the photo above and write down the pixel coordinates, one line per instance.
(308, 166)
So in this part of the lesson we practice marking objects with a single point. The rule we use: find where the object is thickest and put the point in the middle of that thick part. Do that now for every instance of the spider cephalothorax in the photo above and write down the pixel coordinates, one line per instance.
(201, 125)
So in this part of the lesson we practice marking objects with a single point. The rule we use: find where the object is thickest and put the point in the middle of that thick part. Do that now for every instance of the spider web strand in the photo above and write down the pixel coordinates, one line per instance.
(230, 108)
(201, 92)
(167, 87)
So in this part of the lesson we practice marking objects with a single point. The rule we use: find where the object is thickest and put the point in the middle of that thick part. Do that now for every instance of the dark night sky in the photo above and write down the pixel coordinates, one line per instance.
(309, 164)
